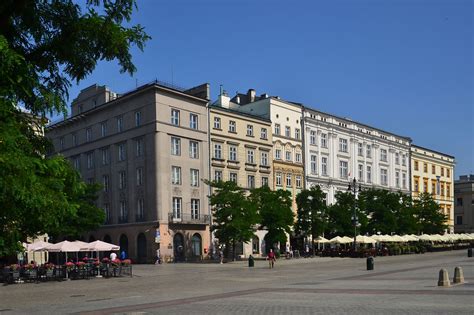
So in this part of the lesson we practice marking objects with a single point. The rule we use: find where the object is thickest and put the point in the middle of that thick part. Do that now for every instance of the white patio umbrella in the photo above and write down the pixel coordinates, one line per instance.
(99, 246)
(320, 240)
(347, 239)
(337, 240)
(437, 238)
(37, 246)
(386, 238)
(425, 237)
(410, 238)
(63, 247)
(362, 239)
(399, 239)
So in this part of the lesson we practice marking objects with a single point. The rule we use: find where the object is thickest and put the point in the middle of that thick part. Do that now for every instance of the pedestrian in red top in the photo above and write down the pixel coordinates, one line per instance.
(271, 258)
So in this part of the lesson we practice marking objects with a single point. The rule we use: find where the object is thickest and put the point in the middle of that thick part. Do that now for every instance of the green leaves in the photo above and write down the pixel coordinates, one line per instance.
(311, 213)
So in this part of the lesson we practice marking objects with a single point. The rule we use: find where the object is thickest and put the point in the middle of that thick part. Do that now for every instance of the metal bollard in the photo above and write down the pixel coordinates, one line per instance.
(443, 280)
(370, 263)
(469, 252)
(251, 261)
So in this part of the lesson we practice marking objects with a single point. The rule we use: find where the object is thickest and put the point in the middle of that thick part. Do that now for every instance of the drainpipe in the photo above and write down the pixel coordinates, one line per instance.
(211, 235)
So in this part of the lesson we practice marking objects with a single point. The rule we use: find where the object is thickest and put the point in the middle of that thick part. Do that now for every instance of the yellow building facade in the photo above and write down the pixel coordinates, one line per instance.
(433, 172)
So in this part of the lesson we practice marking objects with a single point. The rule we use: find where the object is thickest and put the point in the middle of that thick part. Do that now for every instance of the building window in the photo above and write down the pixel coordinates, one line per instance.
(90, 160)
(263, 133)
(288, 155)
(232, 153)
(233, 177)
(193, 121)
(433, 169)
(250, 130)
(119, 123)
(277, 129)
(342, 145)
(288, 180)
(416, 185)
(397, 179)
(217, 123)
(459, 202)
(218, 176)
(74, 139)
(448, 173)
(175, 117)
(217, 151)
(442, 189)
(88, 134)
(194, 209)
(343, 169)
(278, 154)
(397, 158)
(425, 167)
(123, 216)
(139, 176)
(442, 171)
(312, 137)
(298, 181)
(383, 177)
(138, 119)
(122, 180)
(298, 157)
(232, 126)
(138, 147)
(176, 175)
(360, 149)
(177, 203)
(264, 181)
(250, 156)
(324, 140)
(278, 179)
(361, 172)
(140, 208)
(105, 156)
(459, 220)
(383, 155)
(264, 158)
(287, 131)
(297, 133)
(194, 149)
(324, 166)
(368, 152)
(404, 160)
(314, 164)
(105, 183)
(369, 174)
(194, 177)
(61, 143)
(103, 129)
(251, 181)
(107, 212)
(448, 190)
(404, 180)
(415, 165)
(122, 154)
(175, 146)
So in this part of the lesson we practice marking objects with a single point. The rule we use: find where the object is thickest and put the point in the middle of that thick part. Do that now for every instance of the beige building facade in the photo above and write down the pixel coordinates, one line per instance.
(464, 204)
(149, 150)
(433, 172)
(241, 151)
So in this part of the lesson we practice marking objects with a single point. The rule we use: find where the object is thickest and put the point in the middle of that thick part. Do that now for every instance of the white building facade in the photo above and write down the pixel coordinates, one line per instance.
(339, 149)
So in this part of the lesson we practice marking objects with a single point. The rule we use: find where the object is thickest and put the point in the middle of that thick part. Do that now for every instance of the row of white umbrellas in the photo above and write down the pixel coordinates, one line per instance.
(362, 239)
(67, 247)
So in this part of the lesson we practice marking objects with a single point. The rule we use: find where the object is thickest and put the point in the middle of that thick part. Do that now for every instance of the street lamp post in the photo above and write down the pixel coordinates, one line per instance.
(355, 221)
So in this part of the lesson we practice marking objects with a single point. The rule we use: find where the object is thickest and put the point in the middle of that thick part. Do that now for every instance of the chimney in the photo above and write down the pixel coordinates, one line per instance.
(251, 95)
(223, 100)
(237, 99)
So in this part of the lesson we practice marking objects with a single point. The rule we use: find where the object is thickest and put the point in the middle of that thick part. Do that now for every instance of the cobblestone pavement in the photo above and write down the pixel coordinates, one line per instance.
(398, 285)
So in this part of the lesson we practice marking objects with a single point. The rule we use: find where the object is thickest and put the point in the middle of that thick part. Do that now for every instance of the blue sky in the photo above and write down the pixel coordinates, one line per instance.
(403, 66)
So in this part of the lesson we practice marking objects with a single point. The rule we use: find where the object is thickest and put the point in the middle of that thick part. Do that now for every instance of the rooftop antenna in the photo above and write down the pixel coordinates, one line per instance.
(220, 89)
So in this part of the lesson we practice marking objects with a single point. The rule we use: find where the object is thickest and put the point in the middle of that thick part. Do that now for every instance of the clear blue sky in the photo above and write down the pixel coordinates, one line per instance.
(403, 66)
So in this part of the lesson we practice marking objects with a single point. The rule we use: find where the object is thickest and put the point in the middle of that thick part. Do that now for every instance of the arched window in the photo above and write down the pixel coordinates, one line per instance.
(196, 244)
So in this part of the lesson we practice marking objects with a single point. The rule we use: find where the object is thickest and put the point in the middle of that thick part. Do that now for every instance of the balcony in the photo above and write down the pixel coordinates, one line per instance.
(187, 218)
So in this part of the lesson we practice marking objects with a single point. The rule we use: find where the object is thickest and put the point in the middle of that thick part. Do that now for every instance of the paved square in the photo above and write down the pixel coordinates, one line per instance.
(398, 285)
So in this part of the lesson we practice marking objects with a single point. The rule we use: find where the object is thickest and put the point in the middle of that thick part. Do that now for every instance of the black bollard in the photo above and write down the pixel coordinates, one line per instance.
(370, 263)
(251, 261)
(469, 252)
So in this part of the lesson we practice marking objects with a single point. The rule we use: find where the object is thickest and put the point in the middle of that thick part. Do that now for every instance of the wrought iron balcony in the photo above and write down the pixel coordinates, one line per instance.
(187, 218)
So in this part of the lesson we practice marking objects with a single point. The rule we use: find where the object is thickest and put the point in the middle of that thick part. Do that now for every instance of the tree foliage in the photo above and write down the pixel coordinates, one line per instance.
(44, 45)
(234, 216)
(311, 212)
(429, 217)
(275, 213)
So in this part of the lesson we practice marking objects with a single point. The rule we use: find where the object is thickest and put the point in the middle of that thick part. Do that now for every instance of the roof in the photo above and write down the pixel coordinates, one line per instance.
(237, 112)
(431, 150)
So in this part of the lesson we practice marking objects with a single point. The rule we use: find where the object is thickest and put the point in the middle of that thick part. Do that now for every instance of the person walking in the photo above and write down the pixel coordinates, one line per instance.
(158, 257)
(271, 258)
(123, 255)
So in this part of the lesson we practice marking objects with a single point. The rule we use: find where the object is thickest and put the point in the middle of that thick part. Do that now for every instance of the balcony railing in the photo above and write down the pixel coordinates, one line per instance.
(187, 218)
